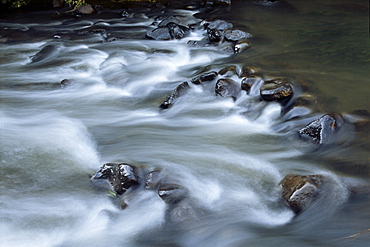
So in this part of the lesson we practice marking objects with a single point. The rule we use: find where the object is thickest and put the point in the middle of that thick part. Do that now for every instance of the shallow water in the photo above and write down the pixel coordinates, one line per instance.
(230, 155)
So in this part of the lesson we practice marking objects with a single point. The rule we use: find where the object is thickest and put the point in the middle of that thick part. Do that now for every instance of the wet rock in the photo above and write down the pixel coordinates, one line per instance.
(199, 43)
(172, 193)
(177, 31)
(241, 46)
(214, 35)
(219, 25)
(248, 70)
(215, 29)
(361, 120)
(228, 71)
(161, 33)
(322, 130)
(167, 20)
(249, 81)
(209, 76)
(182, 212)
(121, 176)
(97, 28)
(177, 92)
(300, 191)
(85, 10)
(227, 47)
(46, 53)
(217, 3)
(65, 83)
(276, 90)
(227, 88)
(236, 35)
(153, 180)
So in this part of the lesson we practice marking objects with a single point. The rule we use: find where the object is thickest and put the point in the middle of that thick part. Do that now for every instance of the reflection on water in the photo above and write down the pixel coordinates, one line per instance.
(230, 155)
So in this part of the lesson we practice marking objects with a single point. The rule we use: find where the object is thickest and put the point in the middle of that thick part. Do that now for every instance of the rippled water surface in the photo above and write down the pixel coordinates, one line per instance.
(230, 155)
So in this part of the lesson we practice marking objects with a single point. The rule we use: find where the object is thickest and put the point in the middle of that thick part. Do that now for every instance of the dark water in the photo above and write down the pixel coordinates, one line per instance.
(230, 155)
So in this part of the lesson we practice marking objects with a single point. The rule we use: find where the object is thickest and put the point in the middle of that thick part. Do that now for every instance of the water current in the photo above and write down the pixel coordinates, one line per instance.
(230, 155)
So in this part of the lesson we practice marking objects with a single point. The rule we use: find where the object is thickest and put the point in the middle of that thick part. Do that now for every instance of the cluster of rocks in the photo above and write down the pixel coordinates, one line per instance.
(298, 191)
(122, 177)
(218, 33)
(325, 130)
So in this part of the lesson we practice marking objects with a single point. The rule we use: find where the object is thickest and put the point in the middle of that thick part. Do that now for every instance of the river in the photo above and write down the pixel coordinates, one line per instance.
(230, 155)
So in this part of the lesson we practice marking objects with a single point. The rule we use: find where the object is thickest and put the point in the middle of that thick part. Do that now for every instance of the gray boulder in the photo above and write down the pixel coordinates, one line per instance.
(323, 130)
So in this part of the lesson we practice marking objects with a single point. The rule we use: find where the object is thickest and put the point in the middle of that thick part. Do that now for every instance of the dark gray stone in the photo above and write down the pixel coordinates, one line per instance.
(177, 31)
(121, 176)
(208, 76)
(177, 92)
(161, 33)
(322, 130)
(227, 88)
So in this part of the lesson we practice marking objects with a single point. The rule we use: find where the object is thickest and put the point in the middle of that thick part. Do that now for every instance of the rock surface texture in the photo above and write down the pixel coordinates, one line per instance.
(300, 191)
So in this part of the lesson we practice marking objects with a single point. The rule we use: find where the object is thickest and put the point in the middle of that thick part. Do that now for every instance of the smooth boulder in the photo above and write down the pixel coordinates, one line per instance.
(300, 191)
(276, 90)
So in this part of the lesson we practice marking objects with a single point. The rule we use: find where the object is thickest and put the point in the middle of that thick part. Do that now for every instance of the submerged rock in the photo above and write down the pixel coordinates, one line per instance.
(300, 191)
(248, 70)
(47, 52)
(161, 33)
(177, 92)
(228, 71)
(276, 90)
(183, 212)
(172, 193)
(121, 176)
(153, 180)
(227, 88)
(322, 130)
(249, 81)
(199, 43)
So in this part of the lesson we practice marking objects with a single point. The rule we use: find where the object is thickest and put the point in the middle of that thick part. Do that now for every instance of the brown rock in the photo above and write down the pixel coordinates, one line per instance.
(300, 191)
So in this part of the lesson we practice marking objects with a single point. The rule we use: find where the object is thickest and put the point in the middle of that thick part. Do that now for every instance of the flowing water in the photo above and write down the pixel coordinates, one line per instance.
(230, 155)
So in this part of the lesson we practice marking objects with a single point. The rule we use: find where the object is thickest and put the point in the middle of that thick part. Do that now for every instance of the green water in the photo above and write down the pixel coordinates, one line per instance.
(324, 43)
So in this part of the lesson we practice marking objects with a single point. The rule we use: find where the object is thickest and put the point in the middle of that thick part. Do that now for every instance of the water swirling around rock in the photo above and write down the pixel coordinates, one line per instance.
(229, 154)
